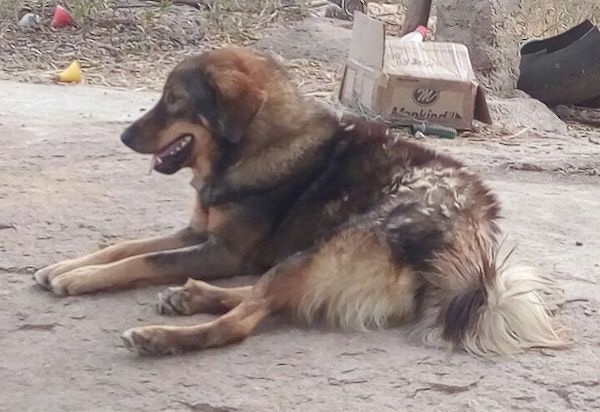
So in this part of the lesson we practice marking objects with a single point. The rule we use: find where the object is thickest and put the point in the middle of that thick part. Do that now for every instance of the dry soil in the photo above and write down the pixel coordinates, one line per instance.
(68, 186)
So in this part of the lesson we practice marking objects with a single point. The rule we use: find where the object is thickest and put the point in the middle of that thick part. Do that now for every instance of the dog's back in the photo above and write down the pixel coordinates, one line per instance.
(399, 232)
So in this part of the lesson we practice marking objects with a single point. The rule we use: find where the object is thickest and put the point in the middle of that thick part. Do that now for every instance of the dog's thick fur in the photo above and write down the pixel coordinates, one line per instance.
(343, 223)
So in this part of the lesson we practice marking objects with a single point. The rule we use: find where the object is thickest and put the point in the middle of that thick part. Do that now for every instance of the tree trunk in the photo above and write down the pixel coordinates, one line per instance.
(417, 14)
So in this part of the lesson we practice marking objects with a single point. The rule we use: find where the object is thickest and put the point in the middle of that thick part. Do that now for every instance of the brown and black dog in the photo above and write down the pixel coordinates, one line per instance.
(342, 222)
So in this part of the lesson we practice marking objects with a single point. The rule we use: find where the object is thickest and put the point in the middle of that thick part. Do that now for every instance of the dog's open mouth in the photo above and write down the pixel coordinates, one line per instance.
(173, 157)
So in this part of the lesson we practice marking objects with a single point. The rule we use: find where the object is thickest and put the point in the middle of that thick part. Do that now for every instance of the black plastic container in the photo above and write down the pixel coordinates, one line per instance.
(564, 69)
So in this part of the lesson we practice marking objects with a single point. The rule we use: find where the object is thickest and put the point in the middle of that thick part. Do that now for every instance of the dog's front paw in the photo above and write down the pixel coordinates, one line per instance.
(44, 276)
(150, 341)
(78, 281)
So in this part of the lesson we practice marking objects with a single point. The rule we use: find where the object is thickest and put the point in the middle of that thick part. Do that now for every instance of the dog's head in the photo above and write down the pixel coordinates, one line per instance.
(207, 101)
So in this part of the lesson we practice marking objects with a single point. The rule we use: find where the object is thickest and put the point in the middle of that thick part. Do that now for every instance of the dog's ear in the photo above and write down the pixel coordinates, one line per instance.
(239, 99)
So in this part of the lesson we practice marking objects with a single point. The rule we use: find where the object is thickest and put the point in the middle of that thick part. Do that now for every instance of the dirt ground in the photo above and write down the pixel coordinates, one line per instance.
(68, 186)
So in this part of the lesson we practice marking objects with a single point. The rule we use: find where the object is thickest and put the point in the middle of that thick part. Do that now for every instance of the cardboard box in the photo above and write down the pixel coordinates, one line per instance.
(402, 81)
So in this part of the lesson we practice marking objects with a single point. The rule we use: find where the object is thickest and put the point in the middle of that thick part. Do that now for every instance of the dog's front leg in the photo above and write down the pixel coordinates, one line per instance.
(186, 237)
(193, 234)
(210, 260)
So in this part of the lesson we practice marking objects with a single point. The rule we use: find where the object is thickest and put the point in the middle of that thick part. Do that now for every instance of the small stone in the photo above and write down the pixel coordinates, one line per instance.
(30, 20)
(578, 243)
(419, 135)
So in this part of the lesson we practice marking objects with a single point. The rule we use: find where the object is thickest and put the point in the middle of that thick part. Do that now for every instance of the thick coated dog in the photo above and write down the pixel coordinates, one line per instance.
(341, 222)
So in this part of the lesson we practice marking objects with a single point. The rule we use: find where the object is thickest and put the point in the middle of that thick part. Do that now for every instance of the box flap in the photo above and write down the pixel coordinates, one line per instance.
(482, 112)
(368, 41)
(428, 60)
(361, 85)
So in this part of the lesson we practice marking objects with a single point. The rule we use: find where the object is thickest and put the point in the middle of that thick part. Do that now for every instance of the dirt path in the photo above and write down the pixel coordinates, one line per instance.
(69, 186)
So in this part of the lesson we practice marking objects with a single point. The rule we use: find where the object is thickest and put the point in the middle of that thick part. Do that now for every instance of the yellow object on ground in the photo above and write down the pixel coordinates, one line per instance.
(71, 74)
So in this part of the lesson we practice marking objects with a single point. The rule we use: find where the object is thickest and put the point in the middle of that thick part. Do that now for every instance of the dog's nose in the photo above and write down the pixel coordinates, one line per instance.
(127, 137)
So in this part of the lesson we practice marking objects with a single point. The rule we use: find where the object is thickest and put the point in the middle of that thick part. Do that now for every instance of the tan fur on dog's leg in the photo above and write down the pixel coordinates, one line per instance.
(210, 260)
(117, 275)
(278, 289)
(185, 237)
(232, 327)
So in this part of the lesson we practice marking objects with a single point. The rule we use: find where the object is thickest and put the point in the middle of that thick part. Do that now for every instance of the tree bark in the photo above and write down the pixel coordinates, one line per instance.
(417, 14)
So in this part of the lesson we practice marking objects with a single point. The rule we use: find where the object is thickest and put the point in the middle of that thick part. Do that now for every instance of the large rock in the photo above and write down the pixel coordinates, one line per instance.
(485, 28)
(314, 38)
(516, 113)
(494, 29)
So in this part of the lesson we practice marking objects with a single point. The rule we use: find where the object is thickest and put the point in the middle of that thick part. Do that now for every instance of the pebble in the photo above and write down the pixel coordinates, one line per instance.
(419, 135)
(30, 20)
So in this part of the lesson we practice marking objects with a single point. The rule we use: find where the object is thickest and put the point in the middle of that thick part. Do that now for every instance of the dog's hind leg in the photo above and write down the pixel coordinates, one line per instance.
(349, 279)
(278, 289)
(197, 296)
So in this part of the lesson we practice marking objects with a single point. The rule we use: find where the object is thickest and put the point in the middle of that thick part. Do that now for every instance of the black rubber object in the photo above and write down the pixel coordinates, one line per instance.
(564, 69)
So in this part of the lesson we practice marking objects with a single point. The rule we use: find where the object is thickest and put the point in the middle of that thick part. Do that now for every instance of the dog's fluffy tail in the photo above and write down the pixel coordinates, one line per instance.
(487, 307)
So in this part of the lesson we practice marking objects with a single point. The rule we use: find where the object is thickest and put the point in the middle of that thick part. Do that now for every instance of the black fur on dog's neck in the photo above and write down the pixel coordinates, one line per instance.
(317, 179)
(271, 155)
(300, 185)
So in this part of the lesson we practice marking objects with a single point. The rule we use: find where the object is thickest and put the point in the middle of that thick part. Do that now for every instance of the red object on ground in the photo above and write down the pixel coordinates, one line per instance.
(61, 17)
(418, 35)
